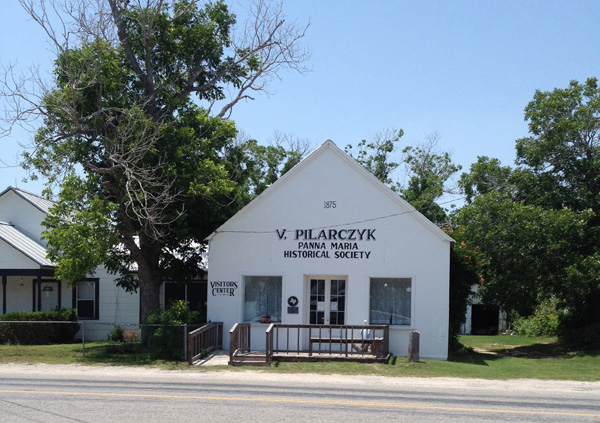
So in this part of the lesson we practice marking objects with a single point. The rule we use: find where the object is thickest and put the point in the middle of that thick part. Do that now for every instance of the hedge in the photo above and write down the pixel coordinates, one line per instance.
(38, 333)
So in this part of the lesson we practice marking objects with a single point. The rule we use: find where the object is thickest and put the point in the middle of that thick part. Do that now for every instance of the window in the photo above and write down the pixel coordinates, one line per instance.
(192, 292)
(390, 301)
(85, 299)
(262, 298)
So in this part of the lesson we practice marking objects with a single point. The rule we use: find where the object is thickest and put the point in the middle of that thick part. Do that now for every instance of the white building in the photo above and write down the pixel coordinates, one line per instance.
(481, 318)
(328, 243)
(27, 275)
(28, 282)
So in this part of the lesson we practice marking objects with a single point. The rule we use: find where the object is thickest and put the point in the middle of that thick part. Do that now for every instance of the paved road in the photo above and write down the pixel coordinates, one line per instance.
(43, 393)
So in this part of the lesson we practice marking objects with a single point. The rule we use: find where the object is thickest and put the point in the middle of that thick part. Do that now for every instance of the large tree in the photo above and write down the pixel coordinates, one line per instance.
(538, 225)
(135, 133)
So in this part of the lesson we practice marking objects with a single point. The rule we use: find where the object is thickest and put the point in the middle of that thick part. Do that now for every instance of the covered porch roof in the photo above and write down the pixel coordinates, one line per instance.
(25, 245)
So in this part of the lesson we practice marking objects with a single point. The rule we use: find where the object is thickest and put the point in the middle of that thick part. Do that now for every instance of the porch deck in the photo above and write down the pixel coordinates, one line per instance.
(367, 344)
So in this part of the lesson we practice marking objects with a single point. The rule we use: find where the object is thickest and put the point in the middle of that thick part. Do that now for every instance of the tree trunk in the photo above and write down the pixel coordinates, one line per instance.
(149, 280)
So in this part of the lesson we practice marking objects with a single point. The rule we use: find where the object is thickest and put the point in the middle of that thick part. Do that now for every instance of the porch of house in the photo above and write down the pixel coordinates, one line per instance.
(294, 342)
(29, 290)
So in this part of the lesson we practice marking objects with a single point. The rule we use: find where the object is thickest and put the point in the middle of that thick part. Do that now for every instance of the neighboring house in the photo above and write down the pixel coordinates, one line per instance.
(27, 275)
(483, 319)
(328, 243)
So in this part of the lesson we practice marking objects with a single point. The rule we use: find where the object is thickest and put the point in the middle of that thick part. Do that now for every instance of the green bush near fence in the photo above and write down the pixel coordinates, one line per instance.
(168, 338)
(38, 333)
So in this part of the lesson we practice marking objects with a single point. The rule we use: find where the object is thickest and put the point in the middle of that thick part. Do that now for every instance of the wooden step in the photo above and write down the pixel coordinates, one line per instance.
(249, 360)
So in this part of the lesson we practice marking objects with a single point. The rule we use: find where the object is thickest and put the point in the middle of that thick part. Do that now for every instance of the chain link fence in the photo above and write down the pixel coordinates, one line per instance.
(166, 341)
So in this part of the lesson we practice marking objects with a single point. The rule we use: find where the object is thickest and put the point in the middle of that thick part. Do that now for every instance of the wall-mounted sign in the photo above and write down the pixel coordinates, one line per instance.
(226, 288)
(327, 243)
(293, 301)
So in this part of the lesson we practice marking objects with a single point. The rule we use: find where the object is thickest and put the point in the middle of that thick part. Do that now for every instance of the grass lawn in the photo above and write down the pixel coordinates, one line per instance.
(487, 357)
(96, 353)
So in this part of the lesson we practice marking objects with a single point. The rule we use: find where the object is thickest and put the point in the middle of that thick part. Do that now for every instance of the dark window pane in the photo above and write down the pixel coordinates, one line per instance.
(85, 309)
(174, 292)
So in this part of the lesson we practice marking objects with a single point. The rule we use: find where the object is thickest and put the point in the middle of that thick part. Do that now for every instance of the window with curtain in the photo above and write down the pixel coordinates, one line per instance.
(390, 301)
(262, 298)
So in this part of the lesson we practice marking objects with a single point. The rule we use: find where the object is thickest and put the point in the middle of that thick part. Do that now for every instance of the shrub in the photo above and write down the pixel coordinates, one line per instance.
(585, 337)
(116, 335)
(38, 333)
(167, 342)
(580, 331)
(130, 335)
(544, 321)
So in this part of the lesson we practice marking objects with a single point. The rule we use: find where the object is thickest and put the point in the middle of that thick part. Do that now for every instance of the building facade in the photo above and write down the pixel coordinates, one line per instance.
(328, 243)
(27, 275)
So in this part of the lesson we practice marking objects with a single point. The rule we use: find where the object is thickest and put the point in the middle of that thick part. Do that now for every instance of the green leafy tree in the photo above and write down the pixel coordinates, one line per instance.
(526, 250)
(377, 155)
(538, 225)
(563, 150)
(265, 164)
(428, 170)
(134, 130)
(484, 176)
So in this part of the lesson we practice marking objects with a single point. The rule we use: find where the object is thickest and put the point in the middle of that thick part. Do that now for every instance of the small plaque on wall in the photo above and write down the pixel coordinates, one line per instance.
(292, 310)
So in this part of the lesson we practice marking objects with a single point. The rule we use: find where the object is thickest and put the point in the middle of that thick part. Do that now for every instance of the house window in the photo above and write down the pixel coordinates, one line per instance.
(192, 292)
(390, 301)
(262, 298)
(86, 299)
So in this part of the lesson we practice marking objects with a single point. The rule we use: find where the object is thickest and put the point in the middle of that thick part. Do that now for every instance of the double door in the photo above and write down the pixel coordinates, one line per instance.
(327, 305)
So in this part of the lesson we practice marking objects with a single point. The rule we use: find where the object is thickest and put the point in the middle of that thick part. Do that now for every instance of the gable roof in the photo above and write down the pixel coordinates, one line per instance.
(25, 245)
(42, 204)
(330, 146)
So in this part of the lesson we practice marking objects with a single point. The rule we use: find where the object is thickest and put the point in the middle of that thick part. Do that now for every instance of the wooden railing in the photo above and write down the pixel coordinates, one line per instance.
(239, 339)
(342, 340)
(205, 339)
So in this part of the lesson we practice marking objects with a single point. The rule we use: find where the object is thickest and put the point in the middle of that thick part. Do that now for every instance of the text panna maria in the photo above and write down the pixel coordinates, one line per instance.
(341, 243)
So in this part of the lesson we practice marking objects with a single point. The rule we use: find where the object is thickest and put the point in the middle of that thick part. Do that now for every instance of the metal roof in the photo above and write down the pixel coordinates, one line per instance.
(40, 203)
(25, 245)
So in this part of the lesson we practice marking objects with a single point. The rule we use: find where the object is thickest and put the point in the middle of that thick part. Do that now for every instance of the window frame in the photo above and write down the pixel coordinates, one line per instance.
(186, 293)
(279, 301)
(388, 294)
(96, 299)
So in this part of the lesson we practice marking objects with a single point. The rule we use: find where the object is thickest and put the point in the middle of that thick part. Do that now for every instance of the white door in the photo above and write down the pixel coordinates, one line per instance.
(327, 305)
(48, 296)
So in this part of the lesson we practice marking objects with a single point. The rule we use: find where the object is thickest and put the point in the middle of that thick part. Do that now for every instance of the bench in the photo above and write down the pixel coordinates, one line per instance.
(374, 345)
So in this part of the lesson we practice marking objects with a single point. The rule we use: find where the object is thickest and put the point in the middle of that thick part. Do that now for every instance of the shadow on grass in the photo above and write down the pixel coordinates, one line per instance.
(553, 350)
(472, 357)
(126, 354)
(538, 351)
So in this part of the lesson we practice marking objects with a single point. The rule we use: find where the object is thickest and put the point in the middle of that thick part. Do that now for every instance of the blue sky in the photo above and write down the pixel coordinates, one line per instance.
(463, 69)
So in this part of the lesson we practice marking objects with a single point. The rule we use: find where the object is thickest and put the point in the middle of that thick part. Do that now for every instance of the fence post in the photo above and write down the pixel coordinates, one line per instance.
(83, 337)
(185, 342)
(413, 347)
